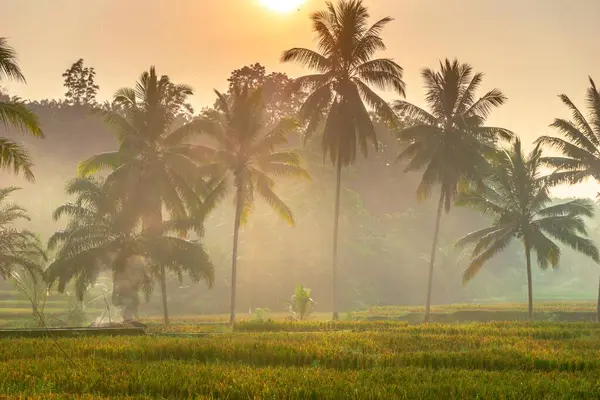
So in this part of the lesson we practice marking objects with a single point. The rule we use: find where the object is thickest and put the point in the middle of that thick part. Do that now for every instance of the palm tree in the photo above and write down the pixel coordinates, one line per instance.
(580, 148)
(450, 143)
(18, 248)
(99, 238)
(14, 112)
(345, 74)
(156, 164)
(517, 198)
(246, 154)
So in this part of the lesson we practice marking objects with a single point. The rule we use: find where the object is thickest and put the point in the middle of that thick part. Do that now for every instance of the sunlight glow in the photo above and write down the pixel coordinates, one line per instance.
(282, 6)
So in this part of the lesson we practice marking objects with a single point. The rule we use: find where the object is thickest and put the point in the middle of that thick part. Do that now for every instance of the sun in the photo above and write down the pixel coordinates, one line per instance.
(282, 6)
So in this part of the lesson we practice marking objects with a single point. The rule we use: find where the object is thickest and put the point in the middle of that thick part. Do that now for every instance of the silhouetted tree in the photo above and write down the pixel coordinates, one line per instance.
(450, 143)
(156, 164)
(80, 83)
(581, 149)
(516, 196)
(340, 88)
(14, 112)
(246, 152)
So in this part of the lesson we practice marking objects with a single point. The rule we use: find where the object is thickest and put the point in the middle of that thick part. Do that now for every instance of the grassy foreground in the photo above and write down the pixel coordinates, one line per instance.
(355, 360)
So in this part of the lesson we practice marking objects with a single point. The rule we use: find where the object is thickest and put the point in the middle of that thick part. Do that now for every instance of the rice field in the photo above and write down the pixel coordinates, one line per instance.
(313, 360)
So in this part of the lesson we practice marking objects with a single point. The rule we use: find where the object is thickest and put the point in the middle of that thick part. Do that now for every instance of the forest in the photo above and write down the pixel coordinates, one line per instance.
(154, 200)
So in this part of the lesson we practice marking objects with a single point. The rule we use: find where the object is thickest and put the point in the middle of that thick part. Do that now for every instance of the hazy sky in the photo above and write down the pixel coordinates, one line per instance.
(531, 49)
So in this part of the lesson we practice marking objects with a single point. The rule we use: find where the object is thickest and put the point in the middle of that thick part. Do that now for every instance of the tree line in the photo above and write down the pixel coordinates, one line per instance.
(139, 211)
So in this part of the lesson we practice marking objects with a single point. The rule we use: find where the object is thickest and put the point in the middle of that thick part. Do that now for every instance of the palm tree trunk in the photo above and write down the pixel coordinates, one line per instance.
(433, 252)
(598, 306)
(236, 231)
(529, 283)
(336, 222)
(163, 289)
(152, 225)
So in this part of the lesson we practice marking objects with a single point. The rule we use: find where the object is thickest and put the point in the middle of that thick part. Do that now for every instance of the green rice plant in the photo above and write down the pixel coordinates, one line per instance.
(312, 359)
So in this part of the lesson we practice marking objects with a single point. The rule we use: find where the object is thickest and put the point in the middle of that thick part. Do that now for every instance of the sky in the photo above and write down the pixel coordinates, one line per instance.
(532, 50)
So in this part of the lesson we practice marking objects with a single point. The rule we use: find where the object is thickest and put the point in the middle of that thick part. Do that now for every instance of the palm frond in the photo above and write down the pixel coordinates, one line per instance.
(373, 100)
(383, 73)
(499, 244)
(309, 58)
(568, 149)
(414, 113)
(580, 121)
(264, 186)
(9, 67)
(110, 161)
(14, 156)
(482, 107)
(575, 135)
(593, 102)
(582, 207)
(15, 113)
(548, 253)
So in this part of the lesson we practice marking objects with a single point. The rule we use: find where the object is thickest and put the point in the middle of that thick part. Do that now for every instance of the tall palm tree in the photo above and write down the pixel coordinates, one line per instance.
(98, 238)
(14, 112)
(18, 248)
(155, 165)
(245, 155)
(451, 142)
(581, 147)
(516, 196)
(340, 90)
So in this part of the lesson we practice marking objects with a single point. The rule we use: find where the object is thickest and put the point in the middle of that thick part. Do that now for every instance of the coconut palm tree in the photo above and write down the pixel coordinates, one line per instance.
(245, 156)
(516, 196)
(14, 112)
(155, 165)
(580, 147)
(98, 238)
(451, 142)
(18, 248)
(341, 89)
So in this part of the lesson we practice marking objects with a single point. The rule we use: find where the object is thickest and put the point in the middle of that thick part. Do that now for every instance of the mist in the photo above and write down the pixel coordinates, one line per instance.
(385, 233)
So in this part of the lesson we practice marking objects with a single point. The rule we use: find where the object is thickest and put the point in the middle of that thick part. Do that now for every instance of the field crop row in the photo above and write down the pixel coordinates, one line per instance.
(349, 360)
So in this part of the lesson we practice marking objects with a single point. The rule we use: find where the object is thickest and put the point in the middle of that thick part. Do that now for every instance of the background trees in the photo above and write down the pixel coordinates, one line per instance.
(99, 238)
(385, 233)
(451, 143)
(515, 195)
(341, 89)
(155, 165)
(80, 82)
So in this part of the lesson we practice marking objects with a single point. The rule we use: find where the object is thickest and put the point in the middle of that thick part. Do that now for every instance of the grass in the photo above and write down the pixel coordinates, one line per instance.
(573, 306)
(314, 360)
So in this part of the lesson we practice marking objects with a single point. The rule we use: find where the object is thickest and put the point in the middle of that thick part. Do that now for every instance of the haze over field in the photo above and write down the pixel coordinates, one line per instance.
(531, 50)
